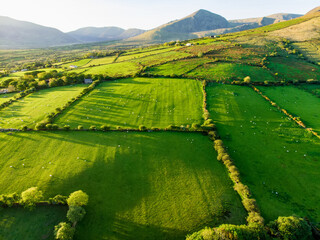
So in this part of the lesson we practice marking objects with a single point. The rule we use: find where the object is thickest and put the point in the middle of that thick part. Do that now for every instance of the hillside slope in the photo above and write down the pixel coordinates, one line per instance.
(201, 20)
(21, 34)
(100, 34)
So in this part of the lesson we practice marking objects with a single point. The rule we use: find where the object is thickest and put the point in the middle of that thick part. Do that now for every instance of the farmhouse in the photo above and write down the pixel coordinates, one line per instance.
(73, 66)
(87, 80)
(3, 91)
(189, 44)
(24, 70)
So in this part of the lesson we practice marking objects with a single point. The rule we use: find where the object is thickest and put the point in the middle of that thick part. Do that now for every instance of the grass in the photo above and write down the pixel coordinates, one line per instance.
(98, 61)
(113, 70)
(34, 107)
(22, 224)
(230, 72)
(126, 57)
(161, 58)
(79, 63)
(298, 102)
(5, 97)
(141, 185)
(310, 49)
(312, 88)
(277, 159)
(293, 69)
(178, 67)
(130, 103)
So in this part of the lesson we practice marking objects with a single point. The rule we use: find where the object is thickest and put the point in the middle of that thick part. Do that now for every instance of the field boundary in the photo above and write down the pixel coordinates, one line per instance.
(285, 112)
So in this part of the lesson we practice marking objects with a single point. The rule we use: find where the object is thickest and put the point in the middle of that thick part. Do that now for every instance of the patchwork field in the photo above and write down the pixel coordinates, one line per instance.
(298, 102)
(33, 108)
(312, 88)
(21, 224)
(278, 160)
(177, 67)
(5, 97)
(293, 69)
(132, 102)
(310, 49)
(141, 185)
(230, 72)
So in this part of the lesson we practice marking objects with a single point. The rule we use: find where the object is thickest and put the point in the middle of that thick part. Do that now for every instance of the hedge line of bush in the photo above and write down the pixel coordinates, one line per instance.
(17, 97)
(295, 119)
(286, 228)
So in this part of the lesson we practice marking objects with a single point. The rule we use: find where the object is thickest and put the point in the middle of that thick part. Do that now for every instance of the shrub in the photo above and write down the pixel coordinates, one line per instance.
(290, 228)
(218, 142)
(66, 127)
(55, 127)
(64, 231)
(78, 198)
(142, 128)
(255, 217)
(80, 127)
(242, 189)
(250, 205)
(24, 128)
(9, 199)
(49, 126)
(30, 197)
(195, 126)
(105, 128)
(92, 128)
(200, 54)
(40, 126)
(247, 79)
(75, 214)
(59, 199)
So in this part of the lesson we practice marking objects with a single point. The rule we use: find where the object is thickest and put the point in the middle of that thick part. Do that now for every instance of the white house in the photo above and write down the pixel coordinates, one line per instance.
(88, 81)
(189, 44)
(73, 66)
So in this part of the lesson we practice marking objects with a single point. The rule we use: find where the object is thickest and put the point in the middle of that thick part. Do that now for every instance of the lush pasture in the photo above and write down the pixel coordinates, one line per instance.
(100, 61)
(205, 48)
(21, 74)
(161, 58)
(278, 160)
(79, 63)
(293, 69)
(141, 185)
(5, 97)
(21, 224)
(130, 103)
(177, 67)
(312, 88)
(126, 57)
(34, 107)
(113, 70)
(230, 72)
(310, 49)
(297, 102)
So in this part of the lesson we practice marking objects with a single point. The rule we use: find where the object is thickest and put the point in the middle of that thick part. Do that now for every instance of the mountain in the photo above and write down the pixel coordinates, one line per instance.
(102, 34)
(181, 29)
(314, 11)
(249, 23)
(20, 34)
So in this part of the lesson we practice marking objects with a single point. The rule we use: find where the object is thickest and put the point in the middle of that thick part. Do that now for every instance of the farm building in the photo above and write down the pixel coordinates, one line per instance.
(87, 80)
(73, 66)
(189, 44)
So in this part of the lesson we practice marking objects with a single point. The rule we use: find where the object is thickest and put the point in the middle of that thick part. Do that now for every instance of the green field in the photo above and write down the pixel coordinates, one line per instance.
(130, 103)
(79, 63)
(100, 61)
(310, 49)
(141, 185)
(126, 57)
(161, 58)
(297, 102)
(113, 70)
(293, 69)
(177, 67)
(230, 72)
(34, 107)
(312, 88)
(6, 97)
(21, 224)
(278, 160)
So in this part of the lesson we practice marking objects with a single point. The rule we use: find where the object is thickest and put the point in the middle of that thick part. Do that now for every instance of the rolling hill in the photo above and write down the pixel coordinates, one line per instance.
(96, 34)
(21, 34)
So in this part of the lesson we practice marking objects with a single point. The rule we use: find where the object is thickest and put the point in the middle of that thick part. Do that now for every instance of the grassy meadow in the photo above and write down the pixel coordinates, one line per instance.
(141, 185)
(230, 72)
(33, 108)
(277, 159)
(132, 102)
(6, 97)
(298, 102)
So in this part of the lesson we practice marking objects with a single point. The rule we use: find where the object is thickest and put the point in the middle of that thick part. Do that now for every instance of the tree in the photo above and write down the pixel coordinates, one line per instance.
(75, 214)
(64, 231)
(31, 196)
(247, 79)
(78, 198)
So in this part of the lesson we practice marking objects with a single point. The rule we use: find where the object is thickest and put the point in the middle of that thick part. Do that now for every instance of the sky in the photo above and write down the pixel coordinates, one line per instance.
(68, 15)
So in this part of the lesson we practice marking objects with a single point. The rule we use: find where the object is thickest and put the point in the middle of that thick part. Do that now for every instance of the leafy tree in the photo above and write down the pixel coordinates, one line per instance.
(64, 231)
(247, 79)
(75, 214)
(31, 196)
(78, 198)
